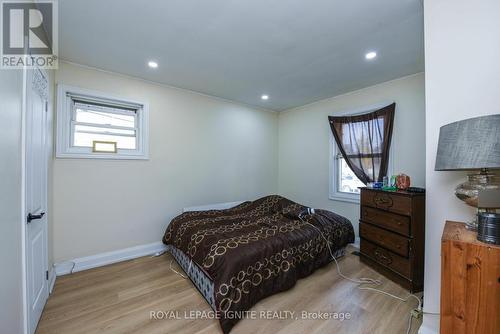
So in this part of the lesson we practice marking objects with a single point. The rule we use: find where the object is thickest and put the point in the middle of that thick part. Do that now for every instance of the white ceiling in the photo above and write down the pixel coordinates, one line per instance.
(296, 51)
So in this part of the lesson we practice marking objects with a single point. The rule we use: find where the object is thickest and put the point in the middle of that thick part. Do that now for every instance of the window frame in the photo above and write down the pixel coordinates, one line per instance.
(65, 124)
(334, 170)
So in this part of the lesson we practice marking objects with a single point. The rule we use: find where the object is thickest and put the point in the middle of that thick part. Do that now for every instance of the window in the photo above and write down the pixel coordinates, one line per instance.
(344, 184)
(93, 125)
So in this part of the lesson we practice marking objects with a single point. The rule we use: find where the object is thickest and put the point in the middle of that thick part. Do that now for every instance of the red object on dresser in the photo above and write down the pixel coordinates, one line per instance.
(402, 181)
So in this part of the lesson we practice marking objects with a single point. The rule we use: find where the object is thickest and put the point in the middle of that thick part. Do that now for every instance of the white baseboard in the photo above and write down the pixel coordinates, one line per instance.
(99, 260)
(52, 279)
(430, 324)
(356, 242)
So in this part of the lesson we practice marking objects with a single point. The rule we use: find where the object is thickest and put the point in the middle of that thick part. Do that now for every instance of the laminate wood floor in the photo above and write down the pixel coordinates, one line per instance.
(119, 298)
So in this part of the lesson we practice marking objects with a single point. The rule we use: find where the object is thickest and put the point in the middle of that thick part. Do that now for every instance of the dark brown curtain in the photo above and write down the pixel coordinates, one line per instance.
(364, 142)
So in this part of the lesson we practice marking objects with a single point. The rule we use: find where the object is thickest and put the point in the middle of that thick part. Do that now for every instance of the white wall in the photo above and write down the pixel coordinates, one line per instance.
(304, 141)
(462, 81)
(202, 150)
(11, 284)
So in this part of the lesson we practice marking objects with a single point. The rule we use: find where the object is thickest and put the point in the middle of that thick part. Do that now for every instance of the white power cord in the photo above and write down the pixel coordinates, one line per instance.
(419, 308)
(408, 329)
(178, 273)
(362, 280)
(160, 253)
(365, 280)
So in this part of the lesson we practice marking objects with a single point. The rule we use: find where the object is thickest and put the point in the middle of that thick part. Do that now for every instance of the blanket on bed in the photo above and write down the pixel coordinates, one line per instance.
(256, 249)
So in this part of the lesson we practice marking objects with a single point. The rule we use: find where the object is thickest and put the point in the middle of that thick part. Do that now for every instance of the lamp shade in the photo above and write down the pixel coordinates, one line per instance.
(469, 144)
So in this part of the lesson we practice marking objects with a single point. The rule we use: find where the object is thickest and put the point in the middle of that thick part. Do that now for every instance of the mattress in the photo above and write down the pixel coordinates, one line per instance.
(238, 256)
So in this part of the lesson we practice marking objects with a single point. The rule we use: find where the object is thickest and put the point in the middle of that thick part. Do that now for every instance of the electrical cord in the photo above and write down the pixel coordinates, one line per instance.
(160, 253)
(393, 296)
(419, 308)
(362, 280)
(408, 329)
(178, 273)
(431, 313)
(175, 271)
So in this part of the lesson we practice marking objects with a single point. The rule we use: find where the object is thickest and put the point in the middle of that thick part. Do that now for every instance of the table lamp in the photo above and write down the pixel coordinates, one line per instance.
(471, 144)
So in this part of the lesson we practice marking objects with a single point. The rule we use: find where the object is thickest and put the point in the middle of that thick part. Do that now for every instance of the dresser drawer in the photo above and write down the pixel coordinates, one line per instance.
(387, 201)
(392, 261)
(394, 222)
(386, 239)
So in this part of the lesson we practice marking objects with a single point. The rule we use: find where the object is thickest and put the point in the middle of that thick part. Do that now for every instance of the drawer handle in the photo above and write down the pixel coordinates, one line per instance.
(383, 201)
(382, 258)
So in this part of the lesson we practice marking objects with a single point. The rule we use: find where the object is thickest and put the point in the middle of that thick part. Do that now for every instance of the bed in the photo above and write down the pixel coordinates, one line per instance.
(238, 256)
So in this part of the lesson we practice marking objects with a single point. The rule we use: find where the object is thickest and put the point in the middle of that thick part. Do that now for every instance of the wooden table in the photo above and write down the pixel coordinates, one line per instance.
(470, 283)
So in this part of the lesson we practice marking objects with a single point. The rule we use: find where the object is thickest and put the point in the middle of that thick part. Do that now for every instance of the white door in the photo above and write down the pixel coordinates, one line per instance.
(36, 195)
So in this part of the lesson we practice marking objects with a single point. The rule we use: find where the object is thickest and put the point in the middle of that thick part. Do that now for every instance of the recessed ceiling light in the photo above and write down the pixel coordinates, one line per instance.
(370, 55)
(153, 64)
(265, 97)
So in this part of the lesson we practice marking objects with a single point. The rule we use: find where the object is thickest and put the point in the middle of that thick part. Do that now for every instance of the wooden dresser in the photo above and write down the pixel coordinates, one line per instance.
(470, 283)
(392, 232)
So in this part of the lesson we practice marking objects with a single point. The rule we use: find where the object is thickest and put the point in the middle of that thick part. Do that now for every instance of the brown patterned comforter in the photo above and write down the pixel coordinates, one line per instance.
(256, 249)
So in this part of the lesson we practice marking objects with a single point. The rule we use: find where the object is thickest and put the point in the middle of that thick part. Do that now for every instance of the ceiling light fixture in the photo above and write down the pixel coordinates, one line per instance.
(371, 55)
(265, 97)
(153, 64)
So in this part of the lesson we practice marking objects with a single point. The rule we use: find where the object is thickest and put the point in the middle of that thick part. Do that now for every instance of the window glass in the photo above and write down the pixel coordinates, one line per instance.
(105, 118)
(97, 123)
(348, 181)
(86, 140)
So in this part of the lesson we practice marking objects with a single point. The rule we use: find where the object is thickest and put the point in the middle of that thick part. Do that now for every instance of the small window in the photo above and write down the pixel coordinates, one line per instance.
(92, 125)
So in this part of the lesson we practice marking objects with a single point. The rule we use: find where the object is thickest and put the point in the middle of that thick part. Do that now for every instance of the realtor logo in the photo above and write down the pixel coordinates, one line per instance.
(29, 34)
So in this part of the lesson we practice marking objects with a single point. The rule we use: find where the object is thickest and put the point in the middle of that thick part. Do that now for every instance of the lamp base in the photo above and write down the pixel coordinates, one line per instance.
(469, 190)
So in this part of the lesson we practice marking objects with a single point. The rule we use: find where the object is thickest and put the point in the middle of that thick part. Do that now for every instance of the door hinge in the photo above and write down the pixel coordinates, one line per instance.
(47, 275)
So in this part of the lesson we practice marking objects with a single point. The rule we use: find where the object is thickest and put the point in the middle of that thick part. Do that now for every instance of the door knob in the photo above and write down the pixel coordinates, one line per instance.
(34, 217)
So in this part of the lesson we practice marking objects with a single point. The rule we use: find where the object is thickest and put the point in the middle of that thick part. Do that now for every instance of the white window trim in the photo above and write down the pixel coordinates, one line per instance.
(64, 133)
(333, 171)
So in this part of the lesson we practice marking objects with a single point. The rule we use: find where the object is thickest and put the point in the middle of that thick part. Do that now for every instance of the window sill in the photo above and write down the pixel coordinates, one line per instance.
(100, 156)
(345, 198)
